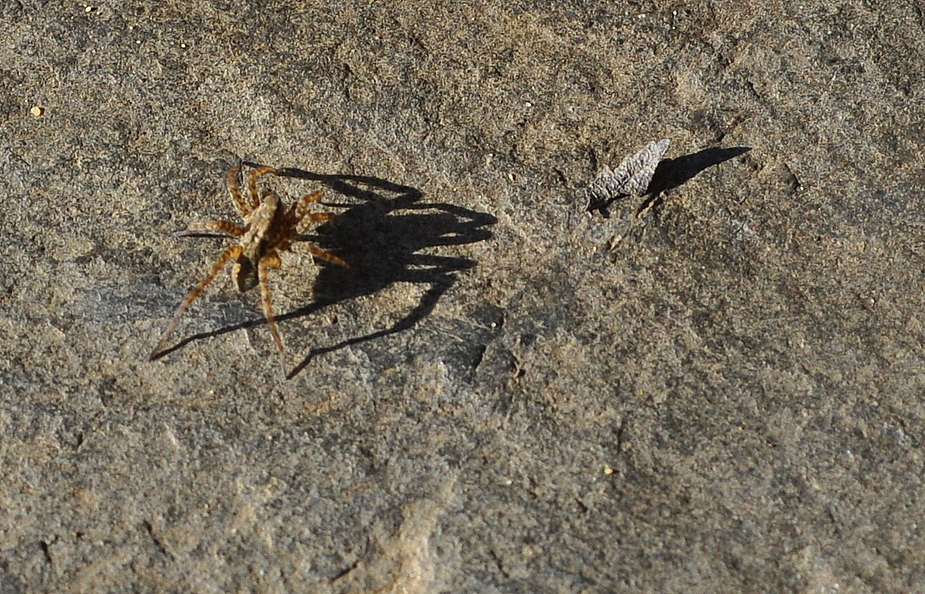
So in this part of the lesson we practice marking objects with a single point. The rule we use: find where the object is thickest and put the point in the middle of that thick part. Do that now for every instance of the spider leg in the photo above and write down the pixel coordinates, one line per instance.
(224, 227)
(305, 222)
(229, 254)
(235, 190)
(320, 253)
(252, 183)
(301, 208)
(266, 263)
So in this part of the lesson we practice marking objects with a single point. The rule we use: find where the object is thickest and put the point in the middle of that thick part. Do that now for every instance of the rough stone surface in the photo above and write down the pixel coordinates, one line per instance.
(507, 392)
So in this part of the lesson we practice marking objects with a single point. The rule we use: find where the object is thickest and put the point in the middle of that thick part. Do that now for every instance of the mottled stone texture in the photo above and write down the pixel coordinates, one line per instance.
(714, 388)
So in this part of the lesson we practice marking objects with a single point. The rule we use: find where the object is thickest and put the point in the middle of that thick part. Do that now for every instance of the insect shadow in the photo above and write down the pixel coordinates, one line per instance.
(383, 235)
(671, 173)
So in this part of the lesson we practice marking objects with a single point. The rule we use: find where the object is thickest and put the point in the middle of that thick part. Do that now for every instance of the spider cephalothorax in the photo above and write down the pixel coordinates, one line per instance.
(269, 229)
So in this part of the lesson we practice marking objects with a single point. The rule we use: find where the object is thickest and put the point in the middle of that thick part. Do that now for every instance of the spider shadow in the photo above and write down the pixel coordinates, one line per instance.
(671, 173)
(381, 236)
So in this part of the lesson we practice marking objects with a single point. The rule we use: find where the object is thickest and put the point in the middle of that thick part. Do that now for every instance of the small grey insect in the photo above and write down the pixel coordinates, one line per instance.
(632, 177)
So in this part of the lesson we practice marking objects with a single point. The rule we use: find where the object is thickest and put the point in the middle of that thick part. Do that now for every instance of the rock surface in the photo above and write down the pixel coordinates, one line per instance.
(716, 388)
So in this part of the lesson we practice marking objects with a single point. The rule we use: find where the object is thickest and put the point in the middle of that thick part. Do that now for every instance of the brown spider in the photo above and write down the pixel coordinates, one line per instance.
(270, 228)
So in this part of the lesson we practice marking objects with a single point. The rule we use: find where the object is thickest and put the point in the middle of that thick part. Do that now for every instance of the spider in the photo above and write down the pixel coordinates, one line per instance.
(269, 228)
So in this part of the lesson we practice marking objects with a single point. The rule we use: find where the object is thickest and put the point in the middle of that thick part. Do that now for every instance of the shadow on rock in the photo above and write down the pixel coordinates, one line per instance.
(381, 237)
(672, 173)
